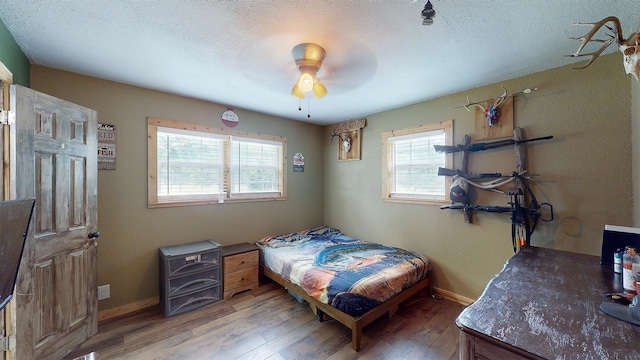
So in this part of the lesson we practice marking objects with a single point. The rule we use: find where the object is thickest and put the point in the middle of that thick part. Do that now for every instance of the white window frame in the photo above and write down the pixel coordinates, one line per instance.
(225, 195)
(388, 193)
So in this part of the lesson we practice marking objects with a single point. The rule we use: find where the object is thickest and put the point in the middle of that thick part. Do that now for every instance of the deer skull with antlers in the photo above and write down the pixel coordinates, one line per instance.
(491, 112)
(630, 47)
(344, 137)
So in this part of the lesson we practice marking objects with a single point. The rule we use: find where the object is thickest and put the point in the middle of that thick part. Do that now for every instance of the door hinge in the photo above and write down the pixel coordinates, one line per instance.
(7, 117)
(7, 343)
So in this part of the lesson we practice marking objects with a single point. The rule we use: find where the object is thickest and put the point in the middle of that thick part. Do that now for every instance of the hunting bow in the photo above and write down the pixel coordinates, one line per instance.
(519, 215)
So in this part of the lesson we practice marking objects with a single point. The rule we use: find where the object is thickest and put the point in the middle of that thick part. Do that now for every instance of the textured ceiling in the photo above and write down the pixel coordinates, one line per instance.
(238, 53)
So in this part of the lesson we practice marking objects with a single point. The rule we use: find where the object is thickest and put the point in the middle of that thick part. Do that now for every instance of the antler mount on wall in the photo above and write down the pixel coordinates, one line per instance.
(350, 135)
(629, 47)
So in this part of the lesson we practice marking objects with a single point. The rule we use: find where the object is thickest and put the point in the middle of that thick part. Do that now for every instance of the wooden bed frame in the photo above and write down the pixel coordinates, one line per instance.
(355, 323)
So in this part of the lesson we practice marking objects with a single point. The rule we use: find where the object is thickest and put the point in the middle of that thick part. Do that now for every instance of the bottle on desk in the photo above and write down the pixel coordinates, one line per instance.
(617, 261)
(630, 266)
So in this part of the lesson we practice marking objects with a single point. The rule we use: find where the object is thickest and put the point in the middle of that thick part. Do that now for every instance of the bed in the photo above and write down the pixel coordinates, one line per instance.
(351, 280)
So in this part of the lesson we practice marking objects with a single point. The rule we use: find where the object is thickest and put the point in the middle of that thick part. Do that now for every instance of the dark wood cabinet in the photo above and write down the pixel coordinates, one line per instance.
(545, 304)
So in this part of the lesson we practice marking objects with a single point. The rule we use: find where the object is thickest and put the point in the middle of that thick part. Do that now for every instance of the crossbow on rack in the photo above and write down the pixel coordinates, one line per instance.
(524, 219)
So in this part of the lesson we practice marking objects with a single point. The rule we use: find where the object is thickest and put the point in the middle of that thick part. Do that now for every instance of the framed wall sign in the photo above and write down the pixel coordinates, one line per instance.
(106, 147)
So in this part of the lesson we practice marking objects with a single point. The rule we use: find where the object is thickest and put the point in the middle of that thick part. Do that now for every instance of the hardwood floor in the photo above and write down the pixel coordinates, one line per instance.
(268, 323)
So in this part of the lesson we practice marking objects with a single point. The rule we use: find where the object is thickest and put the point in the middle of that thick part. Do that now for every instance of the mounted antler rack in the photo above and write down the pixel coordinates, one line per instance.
(350, 135)
(629, 47)
(493, 118)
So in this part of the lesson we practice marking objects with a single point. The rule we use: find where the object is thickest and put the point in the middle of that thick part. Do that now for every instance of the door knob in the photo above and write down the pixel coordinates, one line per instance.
(93, 235)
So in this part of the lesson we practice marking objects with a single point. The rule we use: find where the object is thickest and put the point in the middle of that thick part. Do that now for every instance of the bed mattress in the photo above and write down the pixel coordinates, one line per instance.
(349, 274)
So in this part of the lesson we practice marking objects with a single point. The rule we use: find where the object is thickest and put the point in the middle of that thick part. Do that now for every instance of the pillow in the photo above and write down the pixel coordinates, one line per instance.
(276, 241)
(320, 230)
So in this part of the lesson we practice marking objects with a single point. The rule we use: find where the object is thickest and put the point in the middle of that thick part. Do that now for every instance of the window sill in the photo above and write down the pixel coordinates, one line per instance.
(416, 201)
(211, 202)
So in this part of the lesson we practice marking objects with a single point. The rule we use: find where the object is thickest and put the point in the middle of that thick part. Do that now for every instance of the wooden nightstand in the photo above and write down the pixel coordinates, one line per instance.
(240, 268)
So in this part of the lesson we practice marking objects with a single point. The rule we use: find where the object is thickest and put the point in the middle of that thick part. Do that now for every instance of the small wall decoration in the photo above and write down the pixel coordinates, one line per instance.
(106, 147)
(230, 118)
(350, 135)
(298, 163)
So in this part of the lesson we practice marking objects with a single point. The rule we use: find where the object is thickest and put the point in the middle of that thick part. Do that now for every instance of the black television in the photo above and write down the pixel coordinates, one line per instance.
(15, 216)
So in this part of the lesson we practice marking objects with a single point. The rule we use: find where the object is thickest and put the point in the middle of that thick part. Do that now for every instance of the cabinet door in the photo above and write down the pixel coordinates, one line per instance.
(475, 348)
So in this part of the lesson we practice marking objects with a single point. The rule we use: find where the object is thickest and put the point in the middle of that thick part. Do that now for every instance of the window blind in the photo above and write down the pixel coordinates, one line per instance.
(415, 167)
(196, 164)
(255, 165)
(189, 163)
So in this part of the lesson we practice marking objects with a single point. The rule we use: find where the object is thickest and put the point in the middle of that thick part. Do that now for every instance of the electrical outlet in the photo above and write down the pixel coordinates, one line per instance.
(104, 292)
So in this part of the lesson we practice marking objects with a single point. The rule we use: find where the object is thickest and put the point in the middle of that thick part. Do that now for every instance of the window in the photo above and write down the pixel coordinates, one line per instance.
(192, 164)
(410, 164)
(255, 166)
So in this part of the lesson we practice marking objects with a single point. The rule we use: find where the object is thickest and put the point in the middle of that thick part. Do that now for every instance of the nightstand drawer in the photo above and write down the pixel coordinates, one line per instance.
(242, 278)
(237, 262)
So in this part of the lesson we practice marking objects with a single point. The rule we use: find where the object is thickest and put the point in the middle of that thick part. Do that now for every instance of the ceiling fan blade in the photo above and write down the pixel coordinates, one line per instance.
(269, 64)
(348, 65)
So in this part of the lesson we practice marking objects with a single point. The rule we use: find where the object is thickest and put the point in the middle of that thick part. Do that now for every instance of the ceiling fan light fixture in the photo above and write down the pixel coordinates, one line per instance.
(308, 57)
(297, 92)
(318, 89)
(305, 82)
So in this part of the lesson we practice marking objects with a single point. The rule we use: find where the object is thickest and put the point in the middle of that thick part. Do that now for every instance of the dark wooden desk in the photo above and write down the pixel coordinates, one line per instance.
(545, 304)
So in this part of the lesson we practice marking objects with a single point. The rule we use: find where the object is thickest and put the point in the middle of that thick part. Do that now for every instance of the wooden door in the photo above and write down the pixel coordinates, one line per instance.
(4, 105)
(7, 325)
(53, 152)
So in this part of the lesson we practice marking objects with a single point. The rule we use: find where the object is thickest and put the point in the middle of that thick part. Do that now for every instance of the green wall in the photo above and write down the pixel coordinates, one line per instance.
(585, 172)
(132, 233)
(12, 57)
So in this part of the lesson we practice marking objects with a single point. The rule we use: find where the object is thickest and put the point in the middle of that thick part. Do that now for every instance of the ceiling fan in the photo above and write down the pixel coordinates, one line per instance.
(308, 57)
(270, 64)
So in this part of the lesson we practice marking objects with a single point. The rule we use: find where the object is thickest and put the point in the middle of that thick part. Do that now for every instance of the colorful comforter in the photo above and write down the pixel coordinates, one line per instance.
(350, 274)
